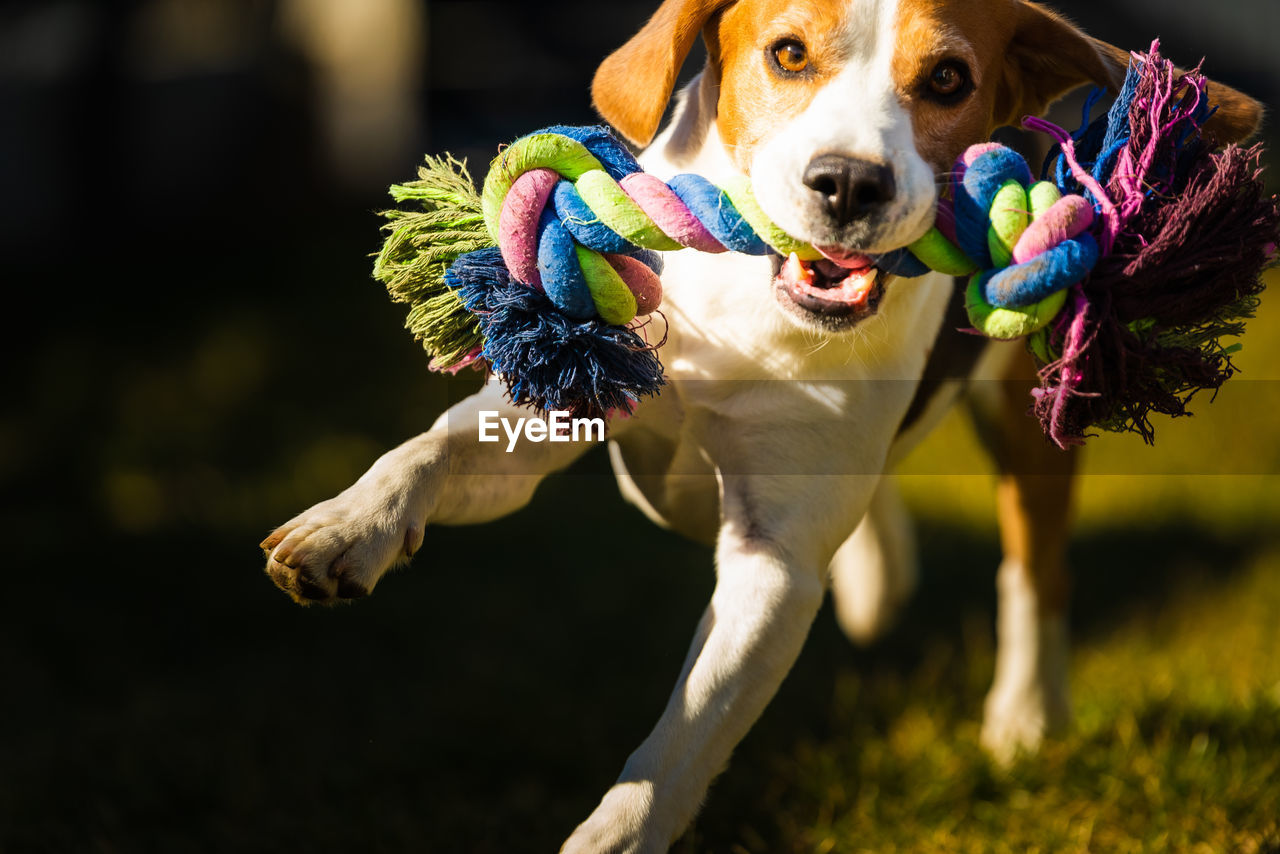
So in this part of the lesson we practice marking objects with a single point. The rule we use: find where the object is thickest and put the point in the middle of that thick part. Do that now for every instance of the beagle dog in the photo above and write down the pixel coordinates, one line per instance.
(792, 388)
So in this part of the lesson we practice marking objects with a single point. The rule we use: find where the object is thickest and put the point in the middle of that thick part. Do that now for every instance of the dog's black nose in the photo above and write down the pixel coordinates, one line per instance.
(852, 188)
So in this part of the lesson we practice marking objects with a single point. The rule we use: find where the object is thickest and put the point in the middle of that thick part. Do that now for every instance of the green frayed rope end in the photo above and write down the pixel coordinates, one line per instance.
(444, 223)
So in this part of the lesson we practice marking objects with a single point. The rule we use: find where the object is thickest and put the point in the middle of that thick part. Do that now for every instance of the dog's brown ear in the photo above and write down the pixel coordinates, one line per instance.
(1047, 57)
(633, 85)
(1237, 117)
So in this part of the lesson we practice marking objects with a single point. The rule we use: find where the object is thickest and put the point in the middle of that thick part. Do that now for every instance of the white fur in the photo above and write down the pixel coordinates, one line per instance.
(793, 439)
(1029, 696)
(857, 115)
(770, 439)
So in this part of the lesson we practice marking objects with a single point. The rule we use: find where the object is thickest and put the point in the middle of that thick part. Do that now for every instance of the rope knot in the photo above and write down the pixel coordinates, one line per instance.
(1022, 242)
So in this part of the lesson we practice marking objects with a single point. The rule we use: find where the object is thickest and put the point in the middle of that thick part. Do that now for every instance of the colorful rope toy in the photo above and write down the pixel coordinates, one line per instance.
(1123, 269)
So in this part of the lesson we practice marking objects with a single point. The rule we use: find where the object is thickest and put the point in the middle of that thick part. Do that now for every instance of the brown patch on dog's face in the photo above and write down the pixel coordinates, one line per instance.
(756, 94)
(1011, 58)
(1015, 59)
(937, 42)
(972, 38)
(1020, 57)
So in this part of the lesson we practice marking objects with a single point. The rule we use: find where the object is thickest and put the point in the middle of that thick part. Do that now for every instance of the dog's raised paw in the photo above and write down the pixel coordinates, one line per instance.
(337, 550)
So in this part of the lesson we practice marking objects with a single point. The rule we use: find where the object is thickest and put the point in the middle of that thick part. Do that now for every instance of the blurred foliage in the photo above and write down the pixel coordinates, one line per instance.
(1219, 467)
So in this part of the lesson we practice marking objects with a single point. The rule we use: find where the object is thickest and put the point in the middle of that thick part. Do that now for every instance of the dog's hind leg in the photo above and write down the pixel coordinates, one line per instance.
(875, 570)
(1029, 697)
(339, 548)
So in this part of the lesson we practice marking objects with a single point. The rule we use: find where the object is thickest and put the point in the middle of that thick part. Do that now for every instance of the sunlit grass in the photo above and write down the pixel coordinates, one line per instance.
(1176, 746)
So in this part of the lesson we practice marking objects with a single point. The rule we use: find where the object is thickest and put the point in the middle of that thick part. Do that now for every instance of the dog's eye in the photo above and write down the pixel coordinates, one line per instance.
(789, 56)
(949, 82)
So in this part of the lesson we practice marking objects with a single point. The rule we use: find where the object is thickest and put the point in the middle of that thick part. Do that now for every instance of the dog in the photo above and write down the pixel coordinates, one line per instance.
(792, 388)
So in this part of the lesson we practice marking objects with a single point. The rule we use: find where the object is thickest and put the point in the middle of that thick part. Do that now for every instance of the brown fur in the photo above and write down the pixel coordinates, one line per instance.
(1033, 493)
(1022, 57)
(634, 83)
(752, 98)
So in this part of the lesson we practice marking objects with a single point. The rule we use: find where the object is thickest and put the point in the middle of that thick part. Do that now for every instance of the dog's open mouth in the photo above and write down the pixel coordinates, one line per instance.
(842, 285)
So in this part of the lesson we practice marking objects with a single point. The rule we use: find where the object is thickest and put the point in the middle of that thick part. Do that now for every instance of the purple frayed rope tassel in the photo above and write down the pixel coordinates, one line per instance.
(1076, 339)
(1133, 179)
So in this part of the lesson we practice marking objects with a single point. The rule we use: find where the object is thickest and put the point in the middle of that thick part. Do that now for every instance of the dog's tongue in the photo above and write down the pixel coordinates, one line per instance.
(845, 258)
(853, 289)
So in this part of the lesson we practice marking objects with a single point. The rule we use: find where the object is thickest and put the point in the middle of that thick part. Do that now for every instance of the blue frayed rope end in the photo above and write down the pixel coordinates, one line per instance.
(547, 360)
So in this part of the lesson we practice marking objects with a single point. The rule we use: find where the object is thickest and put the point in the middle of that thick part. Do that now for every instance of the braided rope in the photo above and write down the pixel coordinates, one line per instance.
(1029, 242)
(575, 217)
(541, 276)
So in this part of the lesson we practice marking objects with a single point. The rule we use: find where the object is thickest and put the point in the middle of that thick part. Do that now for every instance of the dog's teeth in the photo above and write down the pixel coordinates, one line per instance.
(795, 271)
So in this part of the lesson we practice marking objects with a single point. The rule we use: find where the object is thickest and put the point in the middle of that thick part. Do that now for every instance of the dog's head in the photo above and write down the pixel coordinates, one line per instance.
(846, 113)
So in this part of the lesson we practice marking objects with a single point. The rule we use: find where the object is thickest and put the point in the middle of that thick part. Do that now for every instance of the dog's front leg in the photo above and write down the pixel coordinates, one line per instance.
(339, 548)
(771, 558)
(1029, 696)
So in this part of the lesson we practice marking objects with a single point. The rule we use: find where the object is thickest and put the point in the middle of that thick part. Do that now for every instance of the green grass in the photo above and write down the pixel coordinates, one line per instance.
(1176, 746)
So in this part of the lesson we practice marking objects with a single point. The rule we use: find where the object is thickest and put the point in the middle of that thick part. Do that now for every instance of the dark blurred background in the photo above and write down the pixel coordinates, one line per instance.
(194, 352)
